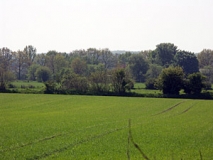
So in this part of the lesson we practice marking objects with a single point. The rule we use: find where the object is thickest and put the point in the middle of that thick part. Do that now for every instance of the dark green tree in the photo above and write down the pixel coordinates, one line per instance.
(43, 74)
(164, 54)
(170, 81)
(188, 61)
(194, 83)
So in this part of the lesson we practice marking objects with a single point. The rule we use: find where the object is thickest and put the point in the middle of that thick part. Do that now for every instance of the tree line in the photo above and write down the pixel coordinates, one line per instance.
(101, 71)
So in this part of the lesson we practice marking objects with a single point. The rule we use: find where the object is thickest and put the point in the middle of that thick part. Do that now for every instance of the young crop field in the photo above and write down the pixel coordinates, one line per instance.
(39, 126)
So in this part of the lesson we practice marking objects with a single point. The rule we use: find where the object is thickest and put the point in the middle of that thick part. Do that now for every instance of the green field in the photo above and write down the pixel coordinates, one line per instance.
(93, 127)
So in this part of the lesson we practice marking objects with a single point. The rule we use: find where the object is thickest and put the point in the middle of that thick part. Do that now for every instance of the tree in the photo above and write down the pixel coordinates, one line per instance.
(79, 66)
(120, 81)
(20, 64)
(32, 72)
(50, 60)
(154, 71)
(93, 56)
(6, 74)
(5, 78)
(208, 72)
(40, 59)
(30, 52)
(151, 75)
(187, 61)
(138, 67)
(99, 81)
(43, 74)
(124, 58)
(107, 58)
(164, 54)
(170, 81)
(72, 82)
(205, 58)
(194, 83)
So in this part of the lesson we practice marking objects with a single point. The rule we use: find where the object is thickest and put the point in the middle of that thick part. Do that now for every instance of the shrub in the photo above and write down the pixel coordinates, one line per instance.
(150, 83)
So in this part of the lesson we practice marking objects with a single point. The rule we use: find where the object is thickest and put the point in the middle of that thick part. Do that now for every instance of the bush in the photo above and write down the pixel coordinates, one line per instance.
(11, 85)
(170, 80)
(150, 83)
(194, 83)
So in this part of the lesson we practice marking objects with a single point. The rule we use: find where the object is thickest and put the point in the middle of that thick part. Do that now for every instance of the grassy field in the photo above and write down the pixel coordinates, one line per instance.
(92, 127)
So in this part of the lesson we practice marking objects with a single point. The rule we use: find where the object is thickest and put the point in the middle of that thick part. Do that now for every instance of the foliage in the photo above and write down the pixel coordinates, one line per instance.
(120, 81)
(32, 72)
(154, 71)
(5, 78)
(150, 83)
(72, 82)
(79, 66)
(208, 72)
(170, 81)
(6, 74)
(194, 83)
(138, 66)
(188, 61)
(205, 58)
(164, 54)
(99, 81)
(50, 87)
(43, 74)
(94, 67)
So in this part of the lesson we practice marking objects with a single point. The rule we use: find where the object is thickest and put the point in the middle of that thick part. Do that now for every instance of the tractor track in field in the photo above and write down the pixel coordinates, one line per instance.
(45, 139)
(82, 141)
(186, 110)
(76, 144)
(50, 138)
(169, 109)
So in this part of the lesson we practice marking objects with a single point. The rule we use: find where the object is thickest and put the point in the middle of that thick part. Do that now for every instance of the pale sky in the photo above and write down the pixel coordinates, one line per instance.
(67, 25)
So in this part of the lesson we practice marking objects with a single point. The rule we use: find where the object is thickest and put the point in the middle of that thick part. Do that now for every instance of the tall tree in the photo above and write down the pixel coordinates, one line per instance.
(20, 64)
(32, 72)
(79, 66)
(40, 59)
(107, 58)
(43, 74)
(138, 67)
(164, 53)
(205, 58)
(6, 74)
(99, 81)
(30, 52)
(120, 81)
(56, 62)
(188, 61)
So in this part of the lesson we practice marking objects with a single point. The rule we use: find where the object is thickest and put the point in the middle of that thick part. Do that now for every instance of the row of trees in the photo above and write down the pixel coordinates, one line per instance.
(100, 70)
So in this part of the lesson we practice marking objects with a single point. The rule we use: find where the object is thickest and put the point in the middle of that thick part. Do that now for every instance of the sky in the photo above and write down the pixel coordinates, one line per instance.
(132, 25)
